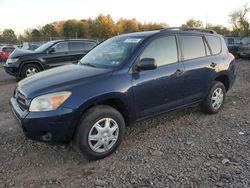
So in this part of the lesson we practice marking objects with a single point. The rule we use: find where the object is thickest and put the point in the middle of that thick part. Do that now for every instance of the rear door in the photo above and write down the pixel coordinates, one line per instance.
(79, 48)
(162, 88)
(59, 56)
(196, 58)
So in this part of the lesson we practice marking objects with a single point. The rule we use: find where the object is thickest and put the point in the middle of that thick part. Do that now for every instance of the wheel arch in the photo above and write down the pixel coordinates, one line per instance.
(118, 103)
(224, 79)
(36, 62)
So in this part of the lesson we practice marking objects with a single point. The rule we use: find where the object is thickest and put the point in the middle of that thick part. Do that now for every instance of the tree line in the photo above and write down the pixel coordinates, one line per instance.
(103, 27)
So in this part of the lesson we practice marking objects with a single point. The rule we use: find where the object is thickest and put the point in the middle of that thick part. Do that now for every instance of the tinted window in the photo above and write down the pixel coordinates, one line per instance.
(81, 46)
(76, 46)
(246, 40)
(61, 47)
(214, 43)
(192, 47)
(89, 45)
(230, 41)
(163, 50)
(8, 49)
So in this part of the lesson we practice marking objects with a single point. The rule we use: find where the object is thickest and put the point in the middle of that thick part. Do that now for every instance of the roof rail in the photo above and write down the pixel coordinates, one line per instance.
(189, 29)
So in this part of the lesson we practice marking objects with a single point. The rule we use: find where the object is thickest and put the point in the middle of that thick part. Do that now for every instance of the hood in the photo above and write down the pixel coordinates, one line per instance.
(59, 79)
(20, 52)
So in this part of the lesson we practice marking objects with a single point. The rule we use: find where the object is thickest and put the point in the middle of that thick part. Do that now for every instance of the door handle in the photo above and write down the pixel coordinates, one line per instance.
(213, 64)
(179, 72)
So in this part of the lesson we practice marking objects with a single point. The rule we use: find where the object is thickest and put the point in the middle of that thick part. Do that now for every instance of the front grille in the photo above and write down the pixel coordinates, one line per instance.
(21, 100)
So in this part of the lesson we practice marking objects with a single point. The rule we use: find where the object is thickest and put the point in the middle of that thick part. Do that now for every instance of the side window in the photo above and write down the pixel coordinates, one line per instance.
(76, 46)
(81, 46)
(89, 45)
(163, 50)
(61, 47)
(192, 47)
(214, 43)
(8, 49)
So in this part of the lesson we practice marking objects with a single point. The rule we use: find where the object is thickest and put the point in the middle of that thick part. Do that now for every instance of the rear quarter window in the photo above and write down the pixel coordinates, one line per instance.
(214, 43)
(81, 46)
(89, 45)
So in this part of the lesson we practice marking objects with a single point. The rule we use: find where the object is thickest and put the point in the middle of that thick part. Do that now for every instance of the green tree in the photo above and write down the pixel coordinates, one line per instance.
(220, 29)
(27, 35)
(48, 31)
(193, 23)
(8, 36)
(72, 29)
(36, 35)
(238, 20)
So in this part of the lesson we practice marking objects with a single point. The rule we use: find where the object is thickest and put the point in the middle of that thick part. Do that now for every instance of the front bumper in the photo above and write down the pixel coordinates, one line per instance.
(11, 69)
(52, 126)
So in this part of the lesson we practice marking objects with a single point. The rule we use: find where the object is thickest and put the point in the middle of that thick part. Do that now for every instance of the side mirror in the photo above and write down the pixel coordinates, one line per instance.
(51, 50)
(146, 64)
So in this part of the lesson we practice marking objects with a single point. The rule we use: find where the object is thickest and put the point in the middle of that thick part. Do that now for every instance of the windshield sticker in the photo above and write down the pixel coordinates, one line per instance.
(132, 40)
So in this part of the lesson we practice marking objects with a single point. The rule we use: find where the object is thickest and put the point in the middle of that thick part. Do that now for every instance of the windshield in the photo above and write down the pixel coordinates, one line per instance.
(44, 46)
(111, 53)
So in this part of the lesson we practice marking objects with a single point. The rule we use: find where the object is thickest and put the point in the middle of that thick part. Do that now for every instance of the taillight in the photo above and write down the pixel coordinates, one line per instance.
(231, 56)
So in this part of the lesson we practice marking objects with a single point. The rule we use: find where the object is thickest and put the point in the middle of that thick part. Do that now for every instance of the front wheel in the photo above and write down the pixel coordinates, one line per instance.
(29, 70)
(100, 132)
(215, 99)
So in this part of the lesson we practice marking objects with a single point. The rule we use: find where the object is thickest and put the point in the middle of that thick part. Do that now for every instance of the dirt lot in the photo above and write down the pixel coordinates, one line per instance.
(179, 149)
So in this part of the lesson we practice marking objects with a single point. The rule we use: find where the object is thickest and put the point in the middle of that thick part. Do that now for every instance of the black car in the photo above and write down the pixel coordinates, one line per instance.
(244, 49)
(124, 79)
(24, 63)
(233, 44)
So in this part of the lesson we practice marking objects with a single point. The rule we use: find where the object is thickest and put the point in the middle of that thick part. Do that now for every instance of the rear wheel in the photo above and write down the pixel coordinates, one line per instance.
(215, 99)
(100, 132)
(29, 70)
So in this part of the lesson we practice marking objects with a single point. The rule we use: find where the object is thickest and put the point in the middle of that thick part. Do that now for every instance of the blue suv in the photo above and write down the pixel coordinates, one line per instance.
(124, 79)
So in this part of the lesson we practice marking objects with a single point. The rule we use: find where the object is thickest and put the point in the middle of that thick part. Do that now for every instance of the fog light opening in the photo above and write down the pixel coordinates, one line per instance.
(47, 136)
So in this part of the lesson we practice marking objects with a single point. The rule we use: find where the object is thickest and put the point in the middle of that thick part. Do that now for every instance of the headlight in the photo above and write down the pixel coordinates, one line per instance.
(49, 102)
(10, 61)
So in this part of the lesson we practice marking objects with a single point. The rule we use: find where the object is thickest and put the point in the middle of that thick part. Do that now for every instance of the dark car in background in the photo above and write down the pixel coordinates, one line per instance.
(5, 51)
(233, 44)
(24, 63)
(244, 48)
(124, 79)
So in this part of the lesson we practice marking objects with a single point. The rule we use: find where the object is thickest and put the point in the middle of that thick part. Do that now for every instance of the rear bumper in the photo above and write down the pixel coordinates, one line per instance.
(53, 126)
(244, 54)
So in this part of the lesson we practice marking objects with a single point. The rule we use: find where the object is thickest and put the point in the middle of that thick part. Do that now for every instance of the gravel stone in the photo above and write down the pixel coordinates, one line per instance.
(225, 161)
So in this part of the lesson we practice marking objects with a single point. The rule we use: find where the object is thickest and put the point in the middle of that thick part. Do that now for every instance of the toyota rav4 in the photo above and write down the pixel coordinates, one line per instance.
(124, 79)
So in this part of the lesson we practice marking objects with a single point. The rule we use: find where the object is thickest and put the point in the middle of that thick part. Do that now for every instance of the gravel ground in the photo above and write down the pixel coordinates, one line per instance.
(179, 149)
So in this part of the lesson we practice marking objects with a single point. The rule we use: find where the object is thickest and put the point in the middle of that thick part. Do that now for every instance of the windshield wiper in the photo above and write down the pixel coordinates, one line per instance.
(88, 64)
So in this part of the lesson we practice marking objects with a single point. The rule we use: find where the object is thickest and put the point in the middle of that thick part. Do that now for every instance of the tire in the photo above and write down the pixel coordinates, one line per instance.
(211, 103)
(94, 122)
(32, 68)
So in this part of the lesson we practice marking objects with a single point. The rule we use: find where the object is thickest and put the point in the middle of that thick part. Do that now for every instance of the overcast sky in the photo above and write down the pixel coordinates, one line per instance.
(23, 14)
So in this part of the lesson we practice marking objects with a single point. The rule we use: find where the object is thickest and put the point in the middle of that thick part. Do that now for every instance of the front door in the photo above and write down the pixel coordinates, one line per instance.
(59, 56)
(160, 89)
